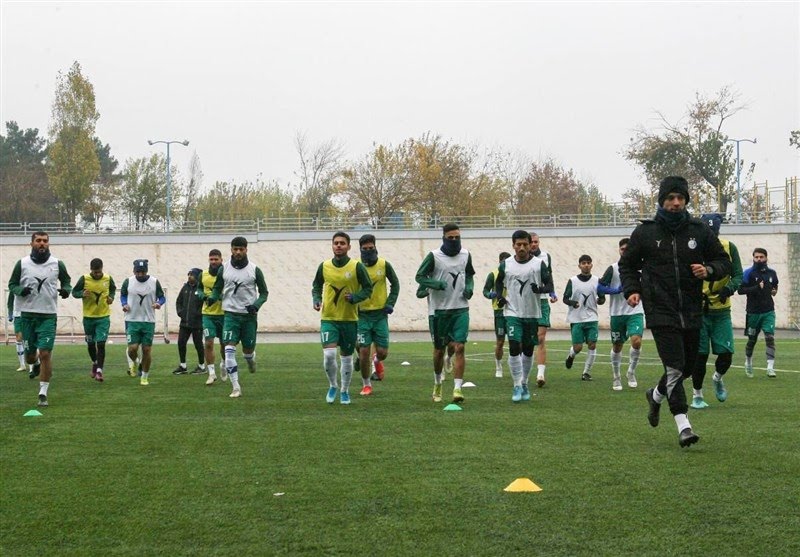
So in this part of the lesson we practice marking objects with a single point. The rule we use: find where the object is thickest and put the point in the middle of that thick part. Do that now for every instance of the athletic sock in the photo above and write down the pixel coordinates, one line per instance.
(697, 393)
(211, 371)
(230, 358)
(329, 363)
(657, 396)
(234, 377)
(540, 370)
(346, 372)
(590, 356)
(527, 364)
(43, 386)
(515, 366)
(770, 365)
(457, 383)
(21, 354)
(437, 378)
(634, 359)
(498, 365)
(716, 376)
(616, 359)
(571, 352)
(682, 421)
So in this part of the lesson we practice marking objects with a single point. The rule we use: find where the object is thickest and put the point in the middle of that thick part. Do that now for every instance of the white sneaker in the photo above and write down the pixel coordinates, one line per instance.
(617, 385)
(224, 374)
(771, 373)
(211, 379)
(748, 369)
(632, 380)
(235, 393)
(498, 372)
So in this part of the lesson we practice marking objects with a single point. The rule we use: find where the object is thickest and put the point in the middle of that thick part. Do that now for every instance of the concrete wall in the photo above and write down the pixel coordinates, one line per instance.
(289, 261)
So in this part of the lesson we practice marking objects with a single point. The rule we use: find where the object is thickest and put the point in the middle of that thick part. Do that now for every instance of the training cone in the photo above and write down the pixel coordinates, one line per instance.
(31, 413)
(522, 485)
(469, 384)
(452, 408)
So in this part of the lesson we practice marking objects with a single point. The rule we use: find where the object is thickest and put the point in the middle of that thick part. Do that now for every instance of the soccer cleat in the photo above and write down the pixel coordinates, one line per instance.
(180, 371)
(331, 395)
(540, 381)
(616, 385)
(37, 368)
(144, 381)
(655, 408)
(344, 397)
(586, 376)
(771, 373)
(437, 393)
(94, 371)
(42, 400)
(378, 368)
(235, 393)
(569, 361)
(251, 365)
(132, 370)
(516, 394)
(632, 380)
(687, 437)
(211, 379)
(458, 396)
(498, 372)
(22, 368)
(366, 391)
(720, 390)
(98, 376)
(526, 394)
(698, 403)
(748, 369)
(198, 371)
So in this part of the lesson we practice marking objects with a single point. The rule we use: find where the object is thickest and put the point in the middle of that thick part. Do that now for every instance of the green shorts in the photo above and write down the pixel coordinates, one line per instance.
(96, 328)
(624, 327)
(757, 322)
(452, 325)
(140, 332)
(499, 324)
(240, 327)
(718, 330)
(213, 326)
(524, 330)
(39, 331)
(340, 333)
(584, 332)
(432, 328)
(544, 320)
(373, 326)
(17, 324)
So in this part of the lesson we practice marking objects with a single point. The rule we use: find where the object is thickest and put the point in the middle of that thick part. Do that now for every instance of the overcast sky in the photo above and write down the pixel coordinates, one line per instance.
(563, 80)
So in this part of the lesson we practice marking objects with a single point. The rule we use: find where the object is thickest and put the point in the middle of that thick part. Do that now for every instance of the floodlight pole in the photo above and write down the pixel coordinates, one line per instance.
(169, 173)
(739, 176)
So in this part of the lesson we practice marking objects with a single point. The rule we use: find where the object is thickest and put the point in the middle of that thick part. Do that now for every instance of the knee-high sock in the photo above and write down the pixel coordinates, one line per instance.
(590, 356)
(527, 364)
(101, 354)
(230, 358)
(616, 359)
(770, 341)
(346, 372)
(329, 362)
(634, 359)
(748, 348)
(515, 365)
(21, 354)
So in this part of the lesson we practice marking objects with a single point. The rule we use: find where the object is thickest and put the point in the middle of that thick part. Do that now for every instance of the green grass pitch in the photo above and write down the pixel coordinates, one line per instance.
(178, 468)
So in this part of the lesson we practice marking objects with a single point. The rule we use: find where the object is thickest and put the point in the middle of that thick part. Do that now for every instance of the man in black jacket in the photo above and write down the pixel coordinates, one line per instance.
(189, 308)
(667, 259)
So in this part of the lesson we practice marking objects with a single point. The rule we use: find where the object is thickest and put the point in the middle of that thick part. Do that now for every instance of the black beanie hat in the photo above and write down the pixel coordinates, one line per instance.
(673, 184)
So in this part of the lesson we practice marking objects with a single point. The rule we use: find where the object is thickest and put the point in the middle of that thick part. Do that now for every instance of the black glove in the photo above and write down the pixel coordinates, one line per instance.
(210, 301)
(501, 302)
(576, 304)
(64, 293)
(251, 309)
(25, 291)
(724, 294)
(388, 310)
(536, 289)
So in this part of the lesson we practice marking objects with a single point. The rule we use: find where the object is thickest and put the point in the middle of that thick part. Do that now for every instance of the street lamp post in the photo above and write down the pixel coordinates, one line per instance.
(169, 175)
(739, 176)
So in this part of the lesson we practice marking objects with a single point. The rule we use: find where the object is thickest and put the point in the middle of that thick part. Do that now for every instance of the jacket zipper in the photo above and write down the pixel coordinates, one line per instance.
(678, 279)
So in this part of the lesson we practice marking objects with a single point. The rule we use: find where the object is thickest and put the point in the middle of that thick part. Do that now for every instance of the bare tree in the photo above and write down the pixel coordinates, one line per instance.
(193, 187)
(320, 167)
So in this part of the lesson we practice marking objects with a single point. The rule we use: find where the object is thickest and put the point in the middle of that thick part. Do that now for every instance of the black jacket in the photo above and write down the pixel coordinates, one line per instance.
(656, 265)
(189, 307)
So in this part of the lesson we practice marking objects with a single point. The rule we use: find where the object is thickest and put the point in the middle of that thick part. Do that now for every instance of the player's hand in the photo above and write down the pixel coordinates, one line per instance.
(576, 304)
(317, 306)
(724, 294)
(553, 298)
(126, 308)
(468, 293)
(10, 318)
(501, 302)
(156, 305)
(251, 309)
(699, 270)
(634, 299)
(492, 295)
(64, 293)
(26, 291)
(388, 310)
(210, 301)
(349, 297)
(109, 299)
(773, 291)
(439, 285)
(535, 288)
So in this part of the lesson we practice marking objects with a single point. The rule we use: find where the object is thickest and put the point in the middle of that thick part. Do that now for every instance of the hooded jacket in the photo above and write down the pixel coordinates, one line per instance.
(189, 307)
(656, 265)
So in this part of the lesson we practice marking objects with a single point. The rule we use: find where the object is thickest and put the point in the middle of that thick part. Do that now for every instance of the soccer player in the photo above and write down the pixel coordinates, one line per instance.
(213, 317)
(340, 284)
(547, 298)
(626, 323)
(582, 299)
(760, 285)
(667, 259)
(97, 291)
(140, 295)
(717, 328)
(14, 317)
(499, 320)
(448, 274)
(522, 278)
(241, 286)
(35, 281)
(373, 313)
(189, 307)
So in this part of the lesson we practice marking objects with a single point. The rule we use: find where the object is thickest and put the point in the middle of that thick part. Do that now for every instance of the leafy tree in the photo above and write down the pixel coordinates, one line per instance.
(549, 188)
(73, 164)
(695, 147)
(227, 201)
(25, 195)
(193, 187)
(106, 189)
(320, 167)
(145, 190)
